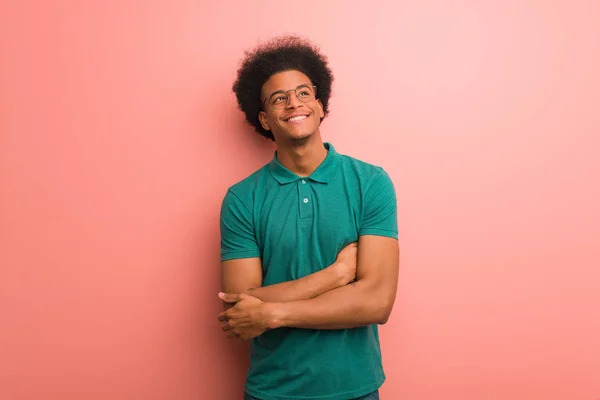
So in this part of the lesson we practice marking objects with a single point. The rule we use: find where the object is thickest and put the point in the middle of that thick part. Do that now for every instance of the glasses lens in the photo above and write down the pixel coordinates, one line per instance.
(278, 100)
(304, 94)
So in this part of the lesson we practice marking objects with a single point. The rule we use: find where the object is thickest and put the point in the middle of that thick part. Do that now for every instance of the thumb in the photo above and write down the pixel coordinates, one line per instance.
(229, 297)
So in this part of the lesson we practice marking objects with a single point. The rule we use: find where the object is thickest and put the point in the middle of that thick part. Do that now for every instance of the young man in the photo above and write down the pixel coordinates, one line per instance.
(309, 244)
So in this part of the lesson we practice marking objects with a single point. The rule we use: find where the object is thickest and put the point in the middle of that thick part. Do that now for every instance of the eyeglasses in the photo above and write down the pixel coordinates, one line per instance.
(280, 99)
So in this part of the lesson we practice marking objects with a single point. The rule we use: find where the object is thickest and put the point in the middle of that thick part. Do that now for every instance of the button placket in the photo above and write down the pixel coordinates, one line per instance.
(305, 197)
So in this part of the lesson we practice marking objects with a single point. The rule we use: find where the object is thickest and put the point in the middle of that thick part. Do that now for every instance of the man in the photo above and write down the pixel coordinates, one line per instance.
(309, 244)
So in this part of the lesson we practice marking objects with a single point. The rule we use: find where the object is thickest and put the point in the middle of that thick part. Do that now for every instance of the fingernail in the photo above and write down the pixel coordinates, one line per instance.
(221, 294)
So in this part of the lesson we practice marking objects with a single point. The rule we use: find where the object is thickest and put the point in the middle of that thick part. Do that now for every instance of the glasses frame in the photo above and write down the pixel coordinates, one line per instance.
(314, 87)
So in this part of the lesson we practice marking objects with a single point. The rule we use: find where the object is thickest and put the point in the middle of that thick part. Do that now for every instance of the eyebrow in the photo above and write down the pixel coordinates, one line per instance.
(306, 85)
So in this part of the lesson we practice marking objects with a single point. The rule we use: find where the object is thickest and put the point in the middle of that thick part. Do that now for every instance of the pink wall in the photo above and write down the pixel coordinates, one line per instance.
(119, 136)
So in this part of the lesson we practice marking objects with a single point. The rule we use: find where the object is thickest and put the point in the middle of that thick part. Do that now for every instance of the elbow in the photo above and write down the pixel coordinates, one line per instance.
(379, 304)
(383, 317)
(383, 312)
(375, 314)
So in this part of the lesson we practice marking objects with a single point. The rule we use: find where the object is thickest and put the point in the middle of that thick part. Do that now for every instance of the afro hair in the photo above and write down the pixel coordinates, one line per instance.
(282, 53)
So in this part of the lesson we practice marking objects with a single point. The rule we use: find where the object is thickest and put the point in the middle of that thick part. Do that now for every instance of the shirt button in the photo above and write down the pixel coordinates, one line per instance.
(303, 181)
(305, 200)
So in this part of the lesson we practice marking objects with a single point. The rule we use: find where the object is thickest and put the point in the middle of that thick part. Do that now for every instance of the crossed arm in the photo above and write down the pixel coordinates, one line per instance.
(323, 300)
(245, 276)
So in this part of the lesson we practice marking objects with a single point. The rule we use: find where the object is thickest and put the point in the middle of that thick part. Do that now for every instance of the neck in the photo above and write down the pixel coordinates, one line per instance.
(302, 157)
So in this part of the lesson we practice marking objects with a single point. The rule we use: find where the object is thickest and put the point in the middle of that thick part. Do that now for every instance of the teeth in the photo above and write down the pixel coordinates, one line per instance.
(298, 118)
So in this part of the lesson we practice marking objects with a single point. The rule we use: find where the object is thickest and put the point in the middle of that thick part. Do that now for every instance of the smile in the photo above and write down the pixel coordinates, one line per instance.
(297, 118)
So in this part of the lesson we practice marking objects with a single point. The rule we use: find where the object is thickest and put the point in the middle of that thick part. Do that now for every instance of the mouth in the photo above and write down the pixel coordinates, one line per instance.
(296, 119)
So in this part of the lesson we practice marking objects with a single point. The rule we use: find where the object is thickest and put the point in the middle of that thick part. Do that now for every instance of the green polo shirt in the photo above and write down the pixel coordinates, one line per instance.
(297, 226)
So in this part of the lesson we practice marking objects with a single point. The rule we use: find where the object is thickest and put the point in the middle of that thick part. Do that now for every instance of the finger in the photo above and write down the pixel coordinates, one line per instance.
(232, 335)
(226, 327)
(223, 316)
(242, 296)
(229, 297)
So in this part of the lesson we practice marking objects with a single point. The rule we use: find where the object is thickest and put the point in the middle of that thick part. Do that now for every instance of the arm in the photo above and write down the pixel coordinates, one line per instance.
(245, 276)
(367, 301)
(371, 298)
(241, 269)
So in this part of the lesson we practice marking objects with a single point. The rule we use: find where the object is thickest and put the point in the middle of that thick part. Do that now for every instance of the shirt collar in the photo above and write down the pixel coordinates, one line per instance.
(322, 174)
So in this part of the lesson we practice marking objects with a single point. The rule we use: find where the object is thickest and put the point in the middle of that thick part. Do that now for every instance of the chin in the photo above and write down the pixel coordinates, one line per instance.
(297, 133)
(300, 136)
(295, 136)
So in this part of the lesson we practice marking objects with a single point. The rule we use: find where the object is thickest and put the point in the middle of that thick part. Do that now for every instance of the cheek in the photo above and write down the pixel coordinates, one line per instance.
(274, 118)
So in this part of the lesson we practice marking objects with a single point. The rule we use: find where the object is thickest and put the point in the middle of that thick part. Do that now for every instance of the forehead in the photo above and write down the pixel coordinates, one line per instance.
(285, 80)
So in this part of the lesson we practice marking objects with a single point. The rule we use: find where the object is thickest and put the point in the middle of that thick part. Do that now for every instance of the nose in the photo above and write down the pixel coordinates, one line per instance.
(293, 101)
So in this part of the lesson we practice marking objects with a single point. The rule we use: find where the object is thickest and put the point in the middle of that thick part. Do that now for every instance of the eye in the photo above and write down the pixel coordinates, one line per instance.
(304, 93)
(279, 99)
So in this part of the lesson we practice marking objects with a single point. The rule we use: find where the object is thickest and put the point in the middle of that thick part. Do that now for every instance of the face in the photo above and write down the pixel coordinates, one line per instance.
(293, 119)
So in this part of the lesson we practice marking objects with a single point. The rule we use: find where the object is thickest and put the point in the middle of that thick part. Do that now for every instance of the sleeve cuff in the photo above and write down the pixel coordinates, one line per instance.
(239, 254)
(379, 232)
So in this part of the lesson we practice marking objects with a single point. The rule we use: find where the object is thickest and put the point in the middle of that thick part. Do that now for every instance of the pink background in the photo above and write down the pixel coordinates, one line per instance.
(120, 134)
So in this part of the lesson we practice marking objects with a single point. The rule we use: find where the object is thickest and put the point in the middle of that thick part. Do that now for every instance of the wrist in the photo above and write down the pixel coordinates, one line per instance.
(275, 315)
(339, 273)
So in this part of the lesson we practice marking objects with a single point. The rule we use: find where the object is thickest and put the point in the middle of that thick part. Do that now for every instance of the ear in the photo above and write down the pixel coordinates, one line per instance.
(321, 112)
(262, 117)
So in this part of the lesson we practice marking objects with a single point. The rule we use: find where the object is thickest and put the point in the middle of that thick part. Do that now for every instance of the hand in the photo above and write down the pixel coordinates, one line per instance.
(247, 319)
(346, 261)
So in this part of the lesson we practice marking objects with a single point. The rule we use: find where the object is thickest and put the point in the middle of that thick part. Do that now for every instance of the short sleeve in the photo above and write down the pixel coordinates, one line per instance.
(238, 239)
(379, 208)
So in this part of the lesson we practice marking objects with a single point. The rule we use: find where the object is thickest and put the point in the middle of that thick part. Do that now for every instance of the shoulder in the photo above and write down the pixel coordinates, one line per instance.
(244, 191)
(365, 172)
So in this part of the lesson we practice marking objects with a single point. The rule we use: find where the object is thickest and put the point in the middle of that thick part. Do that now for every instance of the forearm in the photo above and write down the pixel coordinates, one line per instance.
(305, 288)
(358, 304)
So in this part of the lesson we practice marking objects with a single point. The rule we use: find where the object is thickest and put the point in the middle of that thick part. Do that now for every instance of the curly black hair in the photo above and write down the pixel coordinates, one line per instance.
(282, 53)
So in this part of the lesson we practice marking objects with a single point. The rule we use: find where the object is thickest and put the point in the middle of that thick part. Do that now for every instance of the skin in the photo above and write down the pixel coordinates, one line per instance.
(358, 289)
(299, 145)
(245, 276)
